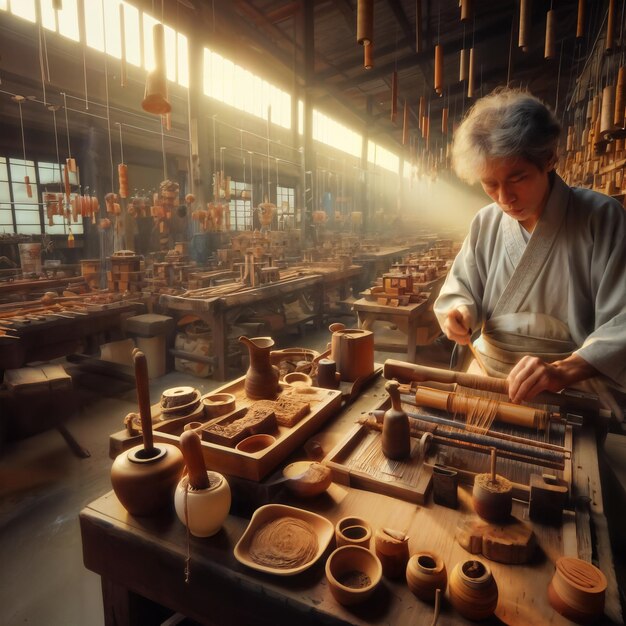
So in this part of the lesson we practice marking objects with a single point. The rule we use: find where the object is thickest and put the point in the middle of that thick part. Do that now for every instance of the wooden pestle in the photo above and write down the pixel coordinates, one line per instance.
(191, 447)
(143, 398)
(493, 465)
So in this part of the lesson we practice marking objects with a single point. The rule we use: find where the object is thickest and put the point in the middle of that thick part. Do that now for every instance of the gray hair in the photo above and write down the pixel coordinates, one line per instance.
(508, 123)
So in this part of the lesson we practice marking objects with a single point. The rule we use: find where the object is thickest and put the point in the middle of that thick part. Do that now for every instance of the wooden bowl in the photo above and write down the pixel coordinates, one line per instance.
(353, 531)
(269, 512)
(353, 572)
(217, 404)
(177, 397)
(255, 443)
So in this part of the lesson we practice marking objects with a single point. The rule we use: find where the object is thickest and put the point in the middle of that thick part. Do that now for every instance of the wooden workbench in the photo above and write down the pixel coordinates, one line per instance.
(141, 561)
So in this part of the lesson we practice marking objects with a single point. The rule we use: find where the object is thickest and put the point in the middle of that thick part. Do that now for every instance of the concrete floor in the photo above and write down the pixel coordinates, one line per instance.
(43, 486)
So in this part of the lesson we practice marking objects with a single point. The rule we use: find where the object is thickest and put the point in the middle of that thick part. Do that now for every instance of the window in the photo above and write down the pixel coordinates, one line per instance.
(286, 206)
(26, 215)
(240, 206)
(382, 157)
(233, 85)
(326, 130)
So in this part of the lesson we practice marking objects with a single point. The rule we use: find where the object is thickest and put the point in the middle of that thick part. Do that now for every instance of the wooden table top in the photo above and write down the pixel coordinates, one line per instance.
(148, 555)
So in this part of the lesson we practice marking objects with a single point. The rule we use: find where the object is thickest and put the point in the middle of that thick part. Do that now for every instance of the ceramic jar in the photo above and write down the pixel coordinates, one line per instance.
(392, 548)
(353, 573)
(577, 590)
(206, 509)
(425, 573)
(262, 377)
(396, 437)
(144, 481)
(353, 531)
(472, 589)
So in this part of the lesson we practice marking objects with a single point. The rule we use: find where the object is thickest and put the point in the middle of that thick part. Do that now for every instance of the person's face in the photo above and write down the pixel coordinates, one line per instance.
(519, 187)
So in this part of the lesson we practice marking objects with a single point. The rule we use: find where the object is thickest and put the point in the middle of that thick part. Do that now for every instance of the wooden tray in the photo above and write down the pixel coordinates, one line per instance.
(358, 461)
(255, 466)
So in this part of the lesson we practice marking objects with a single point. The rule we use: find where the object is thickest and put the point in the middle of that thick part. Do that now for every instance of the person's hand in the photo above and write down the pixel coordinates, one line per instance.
(456, 325)
(532, 375)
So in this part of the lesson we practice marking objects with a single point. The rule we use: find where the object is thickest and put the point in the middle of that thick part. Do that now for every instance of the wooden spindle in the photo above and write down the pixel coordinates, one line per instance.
(394, 96)
(418, 26)
(444, 121)
(524, 24)
(610, 27)
(463, 64)
(422, 111)
(405, 125)
(368, 56)
(493, 465)
(620, 98)
(595, 109)
(580, 24)
(550, 44)
(439, 69)
(470, 75)
(365, 22)
(466, 10)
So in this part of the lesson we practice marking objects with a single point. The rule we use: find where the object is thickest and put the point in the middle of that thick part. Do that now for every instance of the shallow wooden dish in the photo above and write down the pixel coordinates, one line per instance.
(264, 514)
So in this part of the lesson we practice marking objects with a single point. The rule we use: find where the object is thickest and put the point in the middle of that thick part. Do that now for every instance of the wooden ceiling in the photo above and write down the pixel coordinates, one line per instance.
(274, 29)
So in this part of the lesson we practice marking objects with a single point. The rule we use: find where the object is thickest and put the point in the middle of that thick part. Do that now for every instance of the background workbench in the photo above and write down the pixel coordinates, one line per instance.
(141, 560)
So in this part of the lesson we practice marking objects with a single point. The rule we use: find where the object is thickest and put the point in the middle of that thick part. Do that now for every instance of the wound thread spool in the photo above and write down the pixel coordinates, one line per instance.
(524, 24)
(610, 27)
(421, 111)
(608, 112)
(466, 10)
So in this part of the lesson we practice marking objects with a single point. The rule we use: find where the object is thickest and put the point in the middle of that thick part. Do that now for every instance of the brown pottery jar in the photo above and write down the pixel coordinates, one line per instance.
(473, 590)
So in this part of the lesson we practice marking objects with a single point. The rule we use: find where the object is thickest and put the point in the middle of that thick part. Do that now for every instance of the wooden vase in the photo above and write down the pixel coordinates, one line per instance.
(425, 573)
(473, 590)
(577, 590)
(262, 377)
(396, 436)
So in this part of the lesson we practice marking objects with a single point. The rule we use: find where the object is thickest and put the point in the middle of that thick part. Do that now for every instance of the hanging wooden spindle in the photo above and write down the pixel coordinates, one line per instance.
(580, 24)
(608, 112)
(550, 45)
(422, 111)
(463, 64)
(365, 22)
(595, 108)
(394, 96)
(524, 24)
(620, 98)
(426, 130)
(368, 56)
(610, 27)
(155, 98)
(439, 69)
(444, 121)
(405, 125)
(123, 47)
(418, 26)
(57, 5)
(470, 75)
(570, 139)
(466, 10)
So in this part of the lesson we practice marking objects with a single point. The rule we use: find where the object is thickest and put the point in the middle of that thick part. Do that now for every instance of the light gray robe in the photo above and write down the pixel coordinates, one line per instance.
(573, 270)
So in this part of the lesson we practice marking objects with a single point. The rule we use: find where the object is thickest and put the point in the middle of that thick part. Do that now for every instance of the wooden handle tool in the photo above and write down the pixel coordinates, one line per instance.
(143, 398)
(191, 447)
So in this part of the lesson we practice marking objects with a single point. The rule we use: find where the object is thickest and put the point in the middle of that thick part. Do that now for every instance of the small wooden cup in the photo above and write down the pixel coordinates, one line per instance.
(353, 572)
(353, 531)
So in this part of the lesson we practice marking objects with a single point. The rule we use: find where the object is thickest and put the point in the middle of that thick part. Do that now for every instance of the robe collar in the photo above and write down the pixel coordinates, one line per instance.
(529, 258)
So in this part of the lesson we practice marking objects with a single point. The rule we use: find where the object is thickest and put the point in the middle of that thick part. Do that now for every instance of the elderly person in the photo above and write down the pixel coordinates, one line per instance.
(542, 272)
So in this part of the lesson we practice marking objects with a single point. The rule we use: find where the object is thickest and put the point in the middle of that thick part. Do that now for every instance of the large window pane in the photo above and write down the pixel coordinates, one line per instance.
(183, 61)
(4, 5)
(68, 20)
(5, 196)
(48, 15)
(132, 30)
(6, 219)
(94, 28)
(24, 9)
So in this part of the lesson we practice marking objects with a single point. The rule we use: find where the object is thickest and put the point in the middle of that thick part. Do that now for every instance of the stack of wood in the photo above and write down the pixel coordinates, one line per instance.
(126, 273)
